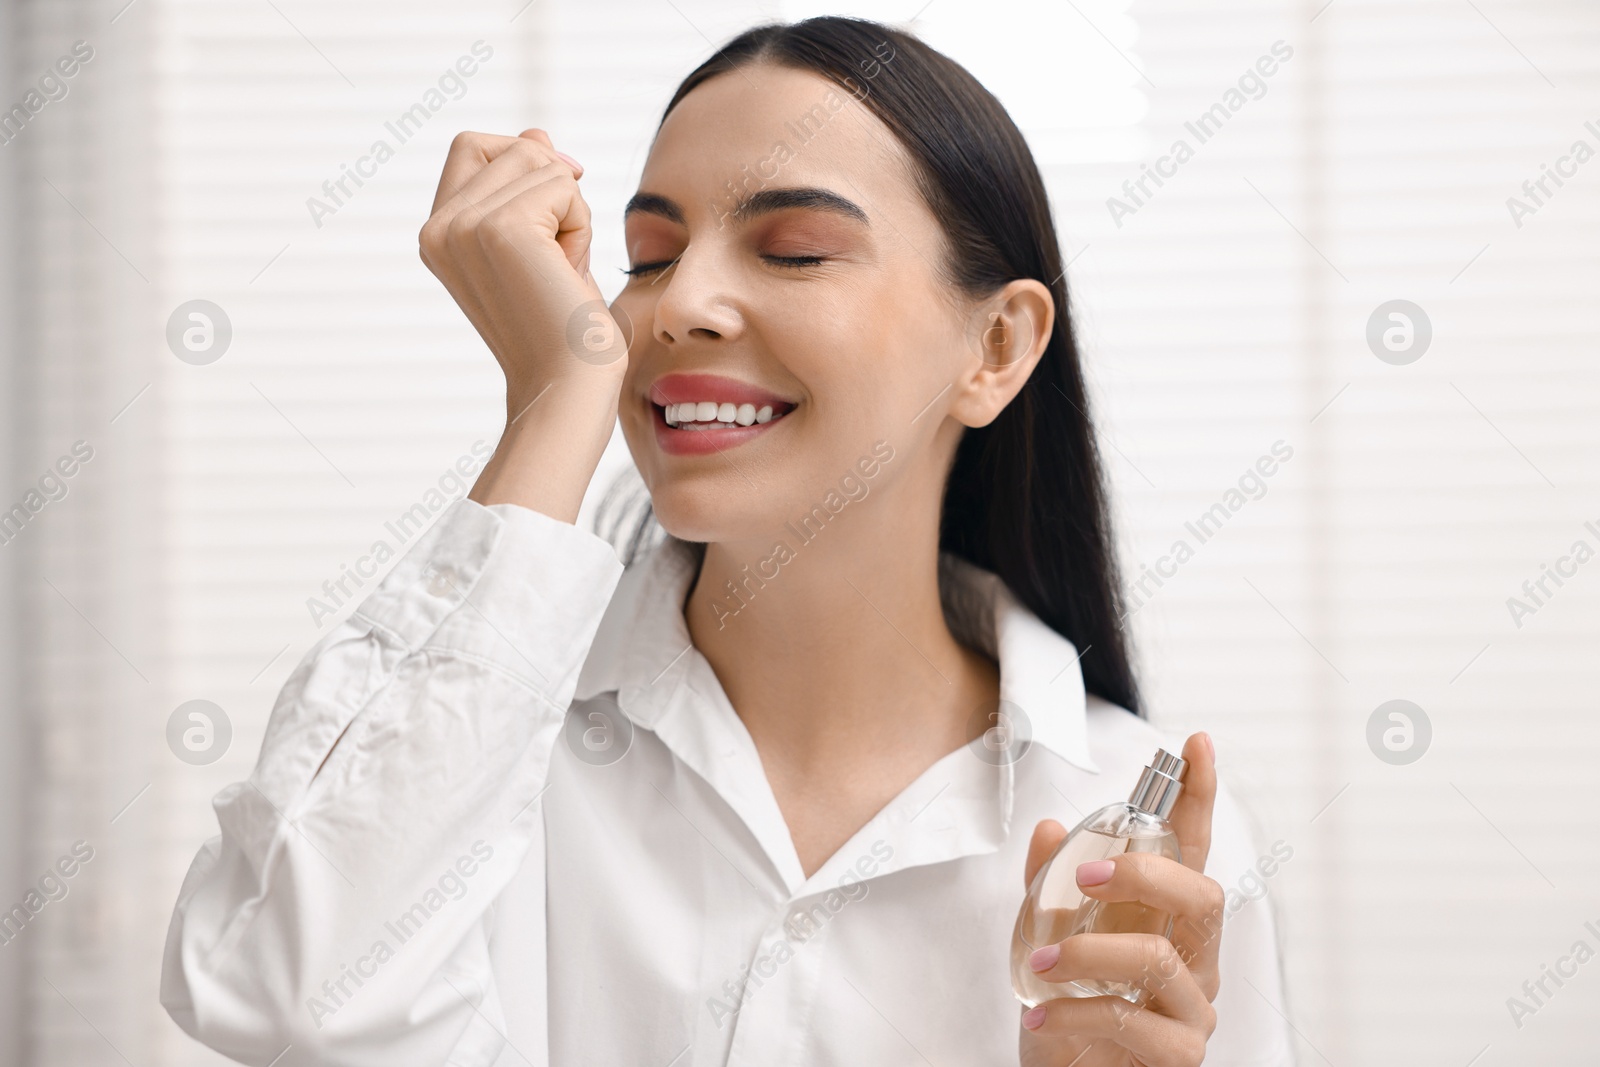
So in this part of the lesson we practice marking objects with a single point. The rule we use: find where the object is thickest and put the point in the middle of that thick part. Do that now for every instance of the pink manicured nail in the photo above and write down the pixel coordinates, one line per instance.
(1033, 1019)
(569, 159)
(1096, 873)
(1045, 958)
(1211, 747)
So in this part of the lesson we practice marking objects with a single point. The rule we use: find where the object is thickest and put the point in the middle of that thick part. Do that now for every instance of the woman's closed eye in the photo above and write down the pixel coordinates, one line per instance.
(777, 261)
(794, 261)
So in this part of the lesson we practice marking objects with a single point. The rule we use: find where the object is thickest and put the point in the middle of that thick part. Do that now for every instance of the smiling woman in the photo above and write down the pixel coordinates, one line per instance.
(926, 684)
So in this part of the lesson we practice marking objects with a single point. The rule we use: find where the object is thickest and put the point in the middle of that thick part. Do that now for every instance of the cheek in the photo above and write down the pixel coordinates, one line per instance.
(852, 351)
(885, 373)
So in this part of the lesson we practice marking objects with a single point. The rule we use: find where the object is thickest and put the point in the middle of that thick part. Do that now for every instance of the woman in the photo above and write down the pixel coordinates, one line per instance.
(760, 796)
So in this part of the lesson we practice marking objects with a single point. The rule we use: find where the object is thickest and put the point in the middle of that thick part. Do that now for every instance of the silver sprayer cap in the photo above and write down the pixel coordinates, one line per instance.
(1159, 785)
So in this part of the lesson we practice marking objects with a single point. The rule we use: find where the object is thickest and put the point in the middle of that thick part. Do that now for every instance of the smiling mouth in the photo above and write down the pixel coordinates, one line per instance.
(696, 416)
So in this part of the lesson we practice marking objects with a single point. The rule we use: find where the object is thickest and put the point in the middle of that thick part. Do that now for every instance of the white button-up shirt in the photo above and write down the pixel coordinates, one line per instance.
(505, 814)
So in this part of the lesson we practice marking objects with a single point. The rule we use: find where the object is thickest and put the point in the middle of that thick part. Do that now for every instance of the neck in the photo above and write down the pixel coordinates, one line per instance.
(829, 638)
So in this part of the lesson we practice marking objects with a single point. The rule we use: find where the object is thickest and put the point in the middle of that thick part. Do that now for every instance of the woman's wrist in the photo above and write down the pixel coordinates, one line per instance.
(552, 443)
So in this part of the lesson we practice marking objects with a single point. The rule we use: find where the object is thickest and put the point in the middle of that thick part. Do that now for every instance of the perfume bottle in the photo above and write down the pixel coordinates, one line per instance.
(1055, 908)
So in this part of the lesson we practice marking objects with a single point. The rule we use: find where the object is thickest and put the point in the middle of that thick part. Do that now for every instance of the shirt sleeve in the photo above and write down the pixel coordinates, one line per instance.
(344, 910)
(1252, 1024)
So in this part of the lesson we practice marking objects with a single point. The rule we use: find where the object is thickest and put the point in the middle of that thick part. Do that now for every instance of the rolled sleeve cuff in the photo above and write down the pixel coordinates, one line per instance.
(503, 585)
(433, 578)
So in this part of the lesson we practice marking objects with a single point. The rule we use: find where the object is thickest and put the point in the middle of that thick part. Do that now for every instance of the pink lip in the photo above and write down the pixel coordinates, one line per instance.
(684, 388)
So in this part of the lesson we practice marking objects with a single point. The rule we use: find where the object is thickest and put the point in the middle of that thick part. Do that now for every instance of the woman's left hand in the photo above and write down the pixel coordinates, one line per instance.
(1180, 974)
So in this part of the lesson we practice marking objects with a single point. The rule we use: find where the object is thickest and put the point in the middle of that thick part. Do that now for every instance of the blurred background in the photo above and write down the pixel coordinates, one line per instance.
(1359, 238)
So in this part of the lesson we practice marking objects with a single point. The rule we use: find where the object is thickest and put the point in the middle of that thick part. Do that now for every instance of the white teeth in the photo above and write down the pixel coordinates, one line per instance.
(711, 415)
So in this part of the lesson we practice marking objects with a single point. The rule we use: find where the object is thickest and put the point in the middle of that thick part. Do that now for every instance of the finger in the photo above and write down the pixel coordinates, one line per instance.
(1195, 901)
(479, 163)
(550, 172)
(544, 138)
(1191, 816)
(538, 198)
(1147, 961)
(1154, 1040)
(469, 153)
(523, 156)
(1047, 837)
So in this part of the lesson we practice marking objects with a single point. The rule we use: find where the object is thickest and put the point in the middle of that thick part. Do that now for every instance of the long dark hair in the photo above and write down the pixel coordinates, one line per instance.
(1026, 497)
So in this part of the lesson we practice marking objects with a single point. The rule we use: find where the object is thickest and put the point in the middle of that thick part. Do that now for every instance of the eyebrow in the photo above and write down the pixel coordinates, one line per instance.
(761, 203)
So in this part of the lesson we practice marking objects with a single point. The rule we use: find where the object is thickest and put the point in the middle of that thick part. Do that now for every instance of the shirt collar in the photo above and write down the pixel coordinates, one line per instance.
(643, 643)
(642, 652)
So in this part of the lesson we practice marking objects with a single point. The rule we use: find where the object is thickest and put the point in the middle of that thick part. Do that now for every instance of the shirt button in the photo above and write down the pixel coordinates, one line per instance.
(800, 925)
(441, 580)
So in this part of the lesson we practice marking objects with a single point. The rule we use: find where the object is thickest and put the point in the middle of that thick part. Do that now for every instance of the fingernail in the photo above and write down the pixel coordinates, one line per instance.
(1210, 747)
(1045, 958)
(569, 159)
(1033, 1019)
(1096, 873)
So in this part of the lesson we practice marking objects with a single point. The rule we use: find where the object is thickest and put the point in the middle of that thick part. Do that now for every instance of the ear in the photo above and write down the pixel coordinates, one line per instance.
(1006, 335)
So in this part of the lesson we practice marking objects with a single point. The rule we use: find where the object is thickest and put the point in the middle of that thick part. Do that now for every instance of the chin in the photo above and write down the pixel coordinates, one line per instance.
(713, 509)
(708, 498)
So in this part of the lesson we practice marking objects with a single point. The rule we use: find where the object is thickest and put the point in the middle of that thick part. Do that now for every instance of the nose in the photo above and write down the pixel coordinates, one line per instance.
(695, 301)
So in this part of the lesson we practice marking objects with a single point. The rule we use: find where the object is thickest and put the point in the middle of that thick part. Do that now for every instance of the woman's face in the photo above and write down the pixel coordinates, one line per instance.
(817, 310)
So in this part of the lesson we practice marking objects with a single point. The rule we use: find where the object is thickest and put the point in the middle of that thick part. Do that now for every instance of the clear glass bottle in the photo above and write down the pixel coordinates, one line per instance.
(1055, 908)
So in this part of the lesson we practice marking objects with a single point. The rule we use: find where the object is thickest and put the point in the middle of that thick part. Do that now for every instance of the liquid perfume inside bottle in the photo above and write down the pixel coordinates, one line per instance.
(1055, 908)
